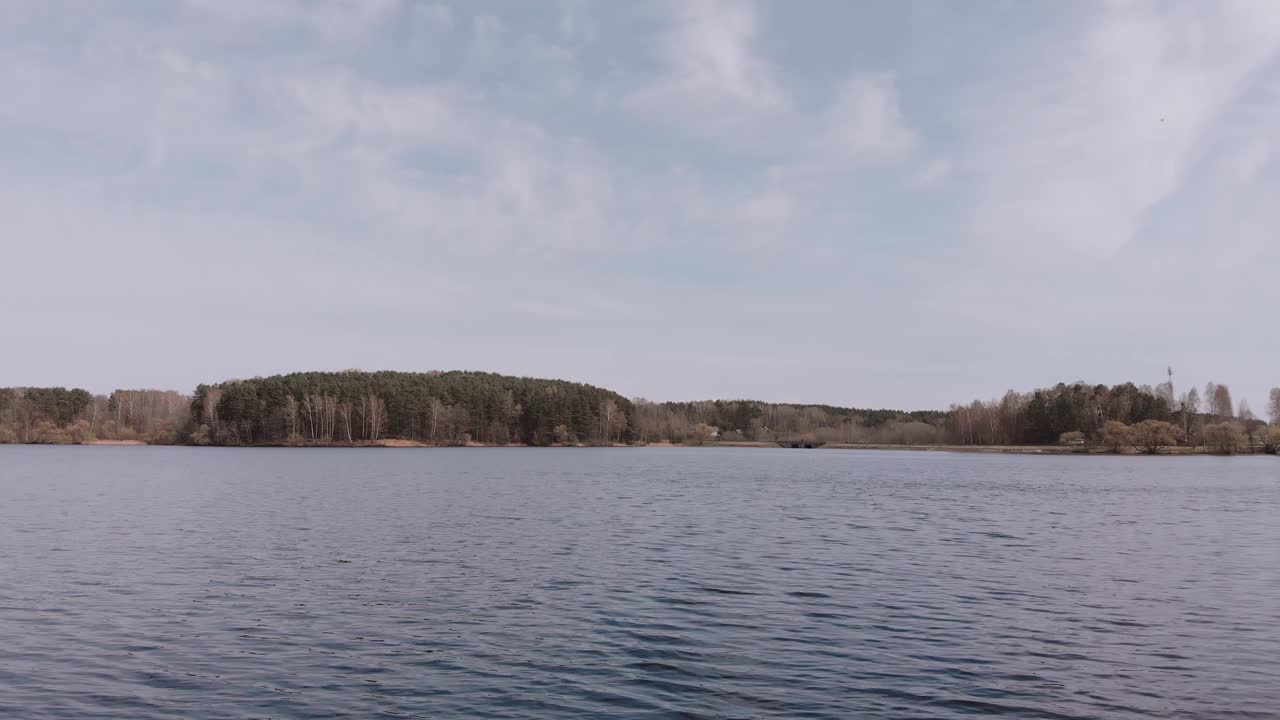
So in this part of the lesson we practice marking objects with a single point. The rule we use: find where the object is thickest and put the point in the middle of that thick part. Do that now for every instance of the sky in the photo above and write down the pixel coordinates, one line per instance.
(900, 204)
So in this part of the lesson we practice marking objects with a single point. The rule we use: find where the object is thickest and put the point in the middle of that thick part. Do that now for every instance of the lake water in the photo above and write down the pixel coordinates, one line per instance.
(141, 583)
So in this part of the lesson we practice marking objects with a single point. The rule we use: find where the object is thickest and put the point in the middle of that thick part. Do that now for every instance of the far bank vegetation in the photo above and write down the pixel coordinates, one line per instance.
(470, 408)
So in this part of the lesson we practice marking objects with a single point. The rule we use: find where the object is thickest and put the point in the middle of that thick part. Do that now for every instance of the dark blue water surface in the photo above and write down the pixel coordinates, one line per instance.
(635, 583)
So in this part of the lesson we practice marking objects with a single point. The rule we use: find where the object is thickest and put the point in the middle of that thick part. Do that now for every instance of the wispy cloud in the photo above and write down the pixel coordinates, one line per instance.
(865, 122)
(711, 79)
(1108, 121)
(714, 172)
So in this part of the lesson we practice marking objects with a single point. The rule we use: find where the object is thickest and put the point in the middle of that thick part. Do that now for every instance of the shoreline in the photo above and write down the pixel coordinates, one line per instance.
(1024, 449)
(976, 449)
(981, 449)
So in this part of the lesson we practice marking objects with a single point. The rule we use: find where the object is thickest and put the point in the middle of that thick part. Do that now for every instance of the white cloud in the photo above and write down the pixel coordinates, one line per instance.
(711, 78)
(1110, 121)
(933, 174)
(440, 163)
(330, 20)
(428, 162)
(862, 128)
(865, 123)
(588, 162)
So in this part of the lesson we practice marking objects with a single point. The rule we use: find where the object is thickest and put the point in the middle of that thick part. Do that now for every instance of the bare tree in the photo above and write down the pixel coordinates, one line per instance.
(1116, 435)
(1165, 390)
(344, 414)
(1245, 413)
(608, 411)
(1273, 406)
(136, 410)
(291, 417)
(1224, 437)
(1190, 410)
(376, 415)
(702, 432)
(617, 426)
(436, 414)
(209, 409)
(99, 403)
(1152, 435)
(328, 416)
(1271, 440)
(310, 413)
(1220, 402)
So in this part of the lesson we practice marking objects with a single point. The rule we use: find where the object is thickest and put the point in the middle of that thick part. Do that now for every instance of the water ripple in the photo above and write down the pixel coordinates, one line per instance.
(166, 583)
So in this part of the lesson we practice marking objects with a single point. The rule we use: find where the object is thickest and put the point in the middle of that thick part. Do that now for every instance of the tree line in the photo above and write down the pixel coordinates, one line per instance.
(57, 415)
(453, 408)
(440, 408)
(1119, 417)
(754, 421)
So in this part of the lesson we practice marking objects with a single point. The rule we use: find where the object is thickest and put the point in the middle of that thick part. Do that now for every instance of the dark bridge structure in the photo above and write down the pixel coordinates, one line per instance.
(799, 442)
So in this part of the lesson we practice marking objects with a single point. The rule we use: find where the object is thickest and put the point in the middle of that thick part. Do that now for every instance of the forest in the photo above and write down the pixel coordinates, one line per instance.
(440, 408)
(58, 416)
(1121, 416)
(754, 421)
(355, 407)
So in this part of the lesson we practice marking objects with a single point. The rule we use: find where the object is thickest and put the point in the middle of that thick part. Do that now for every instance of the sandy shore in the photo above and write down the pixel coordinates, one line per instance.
(116, 442)
(397, 443)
